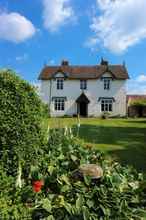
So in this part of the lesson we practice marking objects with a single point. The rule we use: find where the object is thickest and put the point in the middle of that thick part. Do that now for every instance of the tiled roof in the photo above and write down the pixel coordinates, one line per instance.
(84, 72)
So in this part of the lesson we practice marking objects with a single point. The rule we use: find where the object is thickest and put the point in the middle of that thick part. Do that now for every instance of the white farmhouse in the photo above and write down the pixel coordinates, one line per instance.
(84, 90)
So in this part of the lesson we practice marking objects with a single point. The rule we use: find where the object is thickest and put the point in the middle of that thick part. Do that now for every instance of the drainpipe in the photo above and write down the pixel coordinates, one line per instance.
(50, 95)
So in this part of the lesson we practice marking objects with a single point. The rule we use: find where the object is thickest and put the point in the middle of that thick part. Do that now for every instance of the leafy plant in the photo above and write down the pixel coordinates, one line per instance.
(119, 194)
(35, 173)
(115, 196)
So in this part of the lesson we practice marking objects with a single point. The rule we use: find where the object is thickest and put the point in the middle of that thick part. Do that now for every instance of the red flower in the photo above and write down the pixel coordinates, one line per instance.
(37, 185)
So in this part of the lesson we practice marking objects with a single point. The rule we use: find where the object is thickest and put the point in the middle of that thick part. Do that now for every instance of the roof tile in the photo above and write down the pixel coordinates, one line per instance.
(84, 72)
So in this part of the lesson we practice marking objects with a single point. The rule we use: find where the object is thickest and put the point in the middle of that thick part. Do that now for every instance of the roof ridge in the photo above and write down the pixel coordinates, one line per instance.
(85, 71)
(82, 65)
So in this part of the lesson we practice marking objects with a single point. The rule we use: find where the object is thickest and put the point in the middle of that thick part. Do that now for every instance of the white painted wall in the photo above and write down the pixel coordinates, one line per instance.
(95, 90)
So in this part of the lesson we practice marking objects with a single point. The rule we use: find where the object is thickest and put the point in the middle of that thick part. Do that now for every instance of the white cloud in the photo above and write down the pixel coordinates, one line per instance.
(137, 85)
(121, 24)
(141, 78)
(15, 27)
(57, 13)
(22, 58)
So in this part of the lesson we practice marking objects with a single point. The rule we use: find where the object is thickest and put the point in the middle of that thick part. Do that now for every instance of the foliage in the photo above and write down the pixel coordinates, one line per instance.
(105, 115)
(11, 205)
(138, 102)
(21, 114)
(118, 195)
(35, 174)
(123, 139)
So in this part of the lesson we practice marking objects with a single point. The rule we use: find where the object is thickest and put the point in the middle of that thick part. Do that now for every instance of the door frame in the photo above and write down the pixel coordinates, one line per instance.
(82, 99)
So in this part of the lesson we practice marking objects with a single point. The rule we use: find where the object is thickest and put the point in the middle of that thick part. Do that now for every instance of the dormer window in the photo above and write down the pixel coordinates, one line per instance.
(60, 84)
(83, 84)
(106, 83)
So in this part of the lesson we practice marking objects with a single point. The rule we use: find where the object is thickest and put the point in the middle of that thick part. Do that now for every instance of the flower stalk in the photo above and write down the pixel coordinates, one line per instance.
(19, 180)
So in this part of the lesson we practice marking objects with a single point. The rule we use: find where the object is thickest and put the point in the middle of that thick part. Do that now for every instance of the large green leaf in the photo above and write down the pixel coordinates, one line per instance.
(47, 205)
(86, 214)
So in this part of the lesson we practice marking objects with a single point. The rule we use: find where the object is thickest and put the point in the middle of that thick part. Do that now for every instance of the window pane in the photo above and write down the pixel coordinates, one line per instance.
(62, 107)
(59, 104)
(60, 83)
(102, 107)
(110, 107)
(106, 107)
(83, 84)
(107, 84)
(55, 104)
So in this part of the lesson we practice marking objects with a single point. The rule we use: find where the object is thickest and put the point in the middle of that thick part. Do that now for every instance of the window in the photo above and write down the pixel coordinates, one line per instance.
(106, 84)
(59, 104)
(106, 105)
(60, 83)
(83, 84)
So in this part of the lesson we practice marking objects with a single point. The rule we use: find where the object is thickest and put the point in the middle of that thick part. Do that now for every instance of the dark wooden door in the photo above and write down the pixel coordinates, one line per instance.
(83, 109)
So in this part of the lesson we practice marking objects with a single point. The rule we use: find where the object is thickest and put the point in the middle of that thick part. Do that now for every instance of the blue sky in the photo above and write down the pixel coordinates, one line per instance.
(47, 31)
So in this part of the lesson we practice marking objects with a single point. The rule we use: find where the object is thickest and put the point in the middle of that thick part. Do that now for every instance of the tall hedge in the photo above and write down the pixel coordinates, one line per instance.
(21, 115)
(138, 103)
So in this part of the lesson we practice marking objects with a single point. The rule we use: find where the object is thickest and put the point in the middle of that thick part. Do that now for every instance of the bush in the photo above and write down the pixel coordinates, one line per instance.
(21, 114)
(105, 115)
(138, 103)
(117, 195)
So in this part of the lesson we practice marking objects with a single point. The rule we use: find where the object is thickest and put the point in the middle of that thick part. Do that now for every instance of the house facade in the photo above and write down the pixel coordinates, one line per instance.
(84, 90)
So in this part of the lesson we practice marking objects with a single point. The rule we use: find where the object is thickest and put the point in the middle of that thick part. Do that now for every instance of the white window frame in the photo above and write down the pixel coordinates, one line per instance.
(107, 83)
(59, 104)
(83, 84)
(106, 105)
(60, 83)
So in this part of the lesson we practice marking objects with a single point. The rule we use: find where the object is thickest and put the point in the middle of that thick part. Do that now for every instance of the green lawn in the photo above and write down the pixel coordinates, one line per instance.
(123, 139)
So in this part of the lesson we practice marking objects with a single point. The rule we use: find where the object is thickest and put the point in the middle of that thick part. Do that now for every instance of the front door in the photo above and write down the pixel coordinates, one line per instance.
(83, 109)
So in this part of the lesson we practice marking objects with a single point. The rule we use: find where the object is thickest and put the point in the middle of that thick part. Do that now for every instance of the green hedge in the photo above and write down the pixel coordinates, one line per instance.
(21, 114)
(138, 103)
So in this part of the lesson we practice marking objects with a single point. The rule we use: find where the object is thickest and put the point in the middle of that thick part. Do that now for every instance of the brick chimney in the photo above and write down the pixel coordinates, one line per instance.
(104, 62)
(64, 63)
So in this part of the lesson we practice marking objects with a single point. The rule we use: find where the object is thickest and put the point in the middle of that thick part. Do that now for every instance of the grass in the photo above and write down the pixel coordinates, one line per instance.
(123, 139)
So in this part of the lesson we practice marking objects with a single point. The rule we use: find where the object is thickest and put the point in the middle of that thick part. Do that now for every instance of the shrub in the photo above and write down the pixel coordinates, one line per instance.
(21, 114)
(117, 195)
(105, 115)
(138, 103)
